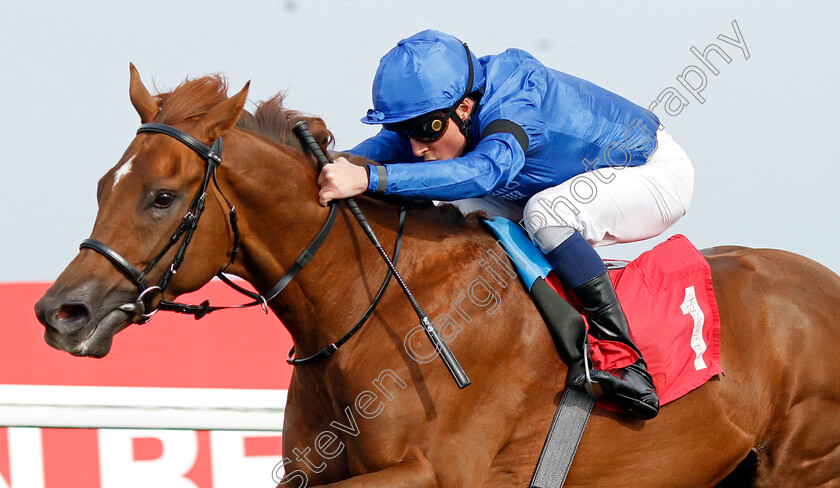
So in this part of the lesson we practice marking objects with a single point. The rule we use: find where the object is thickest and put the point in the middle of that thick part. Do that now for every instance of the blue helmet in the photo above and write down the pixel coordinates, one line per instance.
(428, 71)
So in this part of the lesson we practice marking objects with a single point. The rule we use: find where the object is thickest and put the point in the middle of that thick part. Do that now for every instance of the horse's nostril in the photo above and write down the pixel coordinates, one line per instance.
(69, 312)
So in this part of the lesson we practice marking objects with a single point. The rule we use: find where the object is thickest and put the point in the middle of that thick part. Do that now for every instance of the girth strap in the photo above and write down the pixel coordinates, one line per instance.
(563, 439)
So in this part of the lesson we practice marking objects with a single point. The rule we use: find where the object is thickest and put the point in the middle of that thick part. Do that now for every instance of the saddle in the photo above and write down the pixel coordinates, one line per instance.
(667, 296)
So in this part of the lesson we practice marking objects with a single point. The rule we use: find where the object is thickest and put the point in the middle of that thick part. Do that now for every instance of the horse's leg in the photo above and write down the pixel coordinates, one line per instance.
(303, 421)
(793, 304)
(807, 450)
(803, 447)
(743, 475)
(412, 473)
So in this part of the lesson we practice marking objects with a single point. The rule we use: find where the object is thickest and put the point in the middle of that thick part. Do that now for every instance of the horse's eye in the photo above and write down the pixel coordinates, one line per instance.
(164, 199)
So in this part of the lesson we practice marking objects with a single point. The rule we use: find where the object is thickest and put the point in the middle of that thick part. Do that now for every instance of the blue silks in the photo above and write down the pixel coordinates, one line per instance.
(572, 126)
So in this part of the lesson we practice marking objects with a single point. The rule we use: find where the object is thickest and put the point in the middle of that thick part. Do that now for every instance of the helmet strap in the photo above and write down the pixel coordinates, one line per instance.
(464, 125)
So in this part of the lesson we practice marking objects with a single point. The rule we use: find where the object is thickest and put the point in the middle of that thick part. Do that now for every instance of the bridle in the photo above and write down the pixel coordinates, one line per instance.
(213, 158)
(186, 229)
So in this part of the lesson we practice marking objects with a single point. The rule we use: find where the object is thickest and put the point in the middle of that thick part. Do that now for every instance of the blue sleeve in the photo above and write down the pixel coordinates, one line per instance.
(491, 165)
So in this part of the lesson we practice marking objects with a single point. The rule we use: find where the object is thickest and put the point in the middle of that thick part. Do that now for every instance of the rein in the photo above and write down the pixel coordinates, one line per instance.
(188, 225)
(442, 349)
(333, 347)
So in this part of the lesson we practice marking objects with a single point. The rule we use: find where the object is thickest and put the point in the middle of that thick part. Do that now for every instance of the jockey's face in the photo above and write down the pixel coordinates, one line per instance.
(451, 144)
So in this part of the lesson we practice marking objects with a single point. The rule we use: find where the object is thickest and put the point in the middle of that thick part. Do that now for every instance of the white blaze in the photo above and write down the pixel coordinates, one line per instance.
(123, 170)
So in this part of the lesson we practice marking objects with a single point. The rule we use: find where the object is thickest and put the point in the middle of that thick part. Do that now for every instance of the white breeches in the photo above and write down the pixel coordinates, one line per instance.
(606, 205)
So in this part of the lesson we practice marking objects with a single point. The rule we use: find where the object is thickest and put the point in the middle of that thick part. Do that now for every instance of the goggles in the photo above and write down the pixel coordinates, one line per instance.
(426, 128)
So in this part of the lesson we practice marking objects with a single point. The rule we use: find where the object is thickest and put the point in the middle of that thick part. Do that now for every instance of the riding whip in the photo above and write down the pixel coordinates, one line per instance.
(302, 131)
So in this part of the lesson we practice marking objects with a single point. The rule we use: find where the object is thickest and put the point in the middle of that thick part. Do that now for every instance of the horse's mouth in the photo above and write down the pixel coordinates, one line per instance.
(94, 340)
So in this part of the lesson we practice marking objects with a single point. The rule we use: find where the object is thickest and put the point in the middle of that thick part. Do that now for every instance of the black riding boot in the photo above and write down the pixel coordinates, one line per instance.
(631, 387)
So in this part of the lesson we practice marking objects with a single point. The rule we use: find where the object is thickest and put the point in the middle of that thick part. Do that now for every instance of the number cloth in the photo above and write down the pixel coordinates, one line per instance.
(669, 301)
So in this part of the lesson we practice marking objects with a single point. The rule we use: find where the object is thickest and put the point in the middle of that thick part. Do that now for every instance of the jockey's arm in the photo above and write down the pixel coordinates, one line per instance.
(487, 167)
(348, 175)
(476, 174)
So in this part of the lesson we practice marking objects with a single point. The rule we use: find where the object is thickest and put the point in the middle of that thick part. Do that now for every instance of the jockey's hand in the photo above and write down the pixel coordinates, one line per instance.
(341, 179)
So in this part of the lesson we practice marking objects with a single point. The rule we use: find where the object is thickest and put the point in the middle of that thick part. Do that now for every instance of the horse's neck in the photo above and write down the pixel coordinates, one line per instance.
(275, 192)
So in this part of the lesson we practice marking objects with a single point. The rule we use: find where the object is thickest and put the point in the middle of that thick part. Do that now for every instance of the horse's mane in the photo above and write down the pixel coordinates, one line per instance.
(193, 98)
(274, 121)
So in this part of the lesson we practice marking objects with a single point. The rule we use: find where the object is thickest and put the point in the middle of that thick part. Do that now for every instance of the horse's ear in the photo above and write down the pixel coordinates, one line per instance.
(142, 100)
(223, 116)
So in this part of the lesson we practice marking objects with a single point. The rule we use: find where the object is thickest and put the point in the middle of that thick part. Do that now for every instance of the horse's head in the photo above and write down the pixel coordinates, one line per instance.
(144, 201)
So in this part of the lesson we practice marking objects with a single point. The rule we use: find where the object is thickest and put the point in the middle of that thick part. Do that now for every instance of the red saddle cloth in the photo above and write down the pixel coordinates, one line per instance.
(669, 301)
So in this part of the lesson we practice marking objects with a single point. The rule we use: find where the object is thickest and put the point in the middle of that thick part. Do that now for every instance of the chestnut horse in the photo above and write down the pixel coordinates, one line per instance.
(381, 411)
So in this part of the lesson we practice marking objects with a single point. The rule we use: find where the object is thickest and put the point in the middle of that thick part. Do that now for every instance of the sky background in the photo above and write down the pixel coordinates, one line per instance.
(762, 143)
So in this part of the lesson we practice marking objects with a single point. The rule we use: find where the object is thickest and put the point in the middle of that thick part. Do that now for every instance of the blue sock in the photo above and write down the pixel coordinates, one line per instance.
(575, 261)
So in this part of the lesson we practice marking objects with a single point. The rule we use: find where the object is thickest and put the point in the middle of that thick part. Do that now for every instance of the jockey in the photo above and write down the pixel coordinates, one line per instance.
(579, 165)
